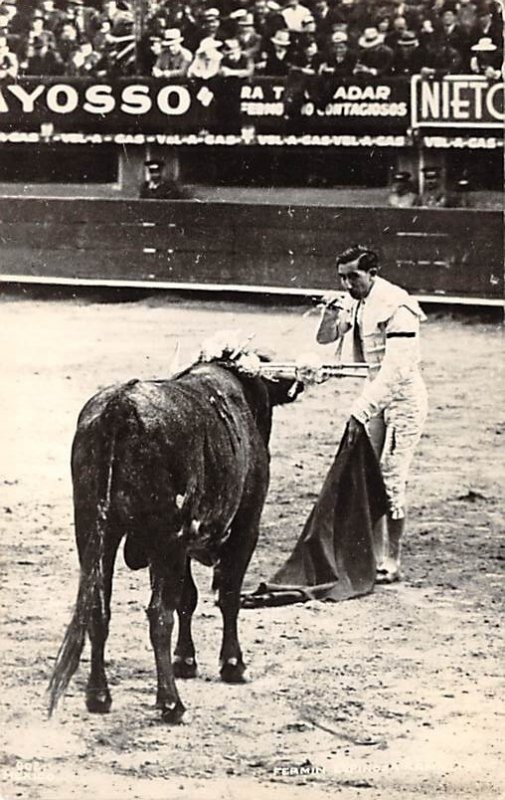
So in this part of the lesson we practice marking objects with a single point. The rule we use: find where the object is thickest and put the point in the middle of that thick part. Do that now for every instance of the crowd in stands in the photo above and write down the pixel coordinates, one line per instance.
(172, 39)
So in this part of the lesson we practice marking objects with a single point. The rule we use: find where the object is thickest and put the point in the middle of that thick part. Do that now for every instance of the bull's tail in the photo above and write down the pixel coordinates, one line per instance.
(91, 591)
(72, 646)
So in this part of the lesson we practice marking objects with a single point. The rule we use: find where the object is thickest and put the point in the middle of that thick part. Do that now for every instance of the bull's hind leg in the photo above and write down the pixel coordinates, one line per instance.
(184, 661)
(228, 578)
(166, 585)
(98, 697)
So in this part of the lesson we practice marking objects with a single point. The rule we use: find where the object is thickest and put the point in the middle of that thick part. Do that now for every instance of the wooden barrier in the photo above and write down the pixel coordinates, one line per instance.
(442, 253)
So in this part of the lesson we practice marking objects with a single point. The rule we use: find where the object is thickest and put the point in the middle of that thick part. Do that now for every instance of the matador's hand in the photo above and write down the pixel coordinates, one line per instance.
(354, 429)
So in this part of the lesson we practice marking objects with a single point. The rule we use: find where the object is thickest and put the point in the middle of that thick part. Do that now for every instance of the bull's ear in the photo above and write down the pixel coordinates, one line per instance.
(283, 390)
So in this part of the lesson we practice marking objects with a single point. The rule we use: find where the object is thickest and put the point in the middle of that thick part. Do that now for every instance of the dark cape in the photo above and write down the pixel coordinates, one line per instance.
(334, 557)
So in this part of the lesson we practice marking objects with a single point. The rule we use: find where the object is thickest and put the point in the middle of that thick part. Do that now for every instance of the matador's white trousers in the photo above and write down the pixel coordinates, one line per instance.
(394, 435)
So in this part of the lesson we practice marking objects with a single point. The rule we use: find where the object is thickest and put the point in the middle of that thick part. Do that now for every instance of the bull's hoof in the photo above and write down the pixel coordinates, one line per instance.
(232, 671)
(184, 667)
(98, 701)
(172, 714)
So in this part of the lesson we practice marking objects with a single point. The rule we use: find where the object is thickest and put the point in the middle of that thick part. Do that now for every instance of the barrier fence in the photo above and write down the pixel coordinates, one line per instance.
(433, 252)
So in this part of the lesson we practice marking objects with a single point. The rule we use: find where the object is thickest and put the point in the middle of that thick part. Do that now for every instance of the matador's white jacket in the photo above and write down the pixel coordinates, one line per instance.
(388, 325)
(387, 338)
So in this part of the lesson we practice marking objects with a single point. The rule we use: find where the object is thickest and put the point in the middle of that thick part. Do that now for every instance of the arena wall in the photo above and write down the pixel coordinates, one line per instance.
(437, 253)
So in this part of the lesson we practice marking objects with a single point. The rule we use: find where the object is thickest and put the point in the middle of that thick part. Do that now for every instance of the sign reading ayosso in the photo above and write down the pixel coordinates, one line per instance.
(458, 101)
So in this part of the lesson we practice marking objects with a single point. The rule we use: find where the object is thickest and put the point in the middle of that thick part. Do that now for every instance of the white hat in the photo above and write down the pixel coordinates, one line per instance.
(370, 38)
(339, 37)
(484, 45)
(281, 38)
(209, 45)
(172, 36)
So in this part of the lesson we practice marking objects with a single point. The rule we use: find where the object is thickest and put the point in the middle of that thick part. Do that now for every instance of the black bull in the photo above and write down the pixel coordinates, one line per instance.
(181, 468)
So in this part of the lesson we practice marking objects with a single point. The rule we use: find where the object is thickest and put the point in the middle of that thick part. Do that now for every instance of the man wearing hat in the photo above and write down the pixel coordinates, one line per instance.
(486, 59)
(374, 57)
(174, 59)
(433, 195)
(489, 24)
(402, 194)
(408, 57)
(339, 60)
(207, 60)
(279, 61)
(155, 187)
(378, 323)
(250, 41)
(41, 60)
(208, 27)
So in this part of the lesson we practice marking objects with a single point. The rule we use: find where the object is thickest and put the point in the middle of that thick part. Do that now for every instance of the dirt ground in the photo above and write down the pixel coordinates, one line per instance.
(392, 696)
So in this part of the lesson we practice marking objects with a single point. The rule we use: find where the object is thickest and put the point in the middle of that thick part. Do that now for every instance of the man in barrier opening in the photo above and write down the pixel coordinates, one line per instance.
(379, 323)
(157, 187)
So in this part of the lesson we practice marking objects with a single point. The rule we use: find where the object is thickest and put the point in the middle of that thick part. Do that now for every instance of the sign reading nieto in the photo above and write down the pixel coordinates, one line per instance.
(457, 101)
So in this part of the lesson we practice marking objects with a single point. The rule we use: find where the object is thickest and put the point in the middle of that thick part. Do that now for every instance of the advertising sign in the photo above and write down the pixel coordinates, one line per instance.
(457, 101)
(307, 105)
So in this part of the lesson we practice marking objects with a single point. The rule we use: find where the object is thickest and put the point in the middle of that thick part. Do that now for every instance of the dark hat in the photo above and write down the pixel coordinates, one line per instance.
(402, 176)
(431, 173)
(463, 185)
(154, 165)
(408, 39)
(38, 44)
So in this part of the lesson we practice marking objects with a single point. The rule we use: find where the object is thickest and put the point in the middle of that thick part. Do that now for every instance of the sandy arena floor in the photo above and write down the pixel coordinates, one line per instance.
(394, 696)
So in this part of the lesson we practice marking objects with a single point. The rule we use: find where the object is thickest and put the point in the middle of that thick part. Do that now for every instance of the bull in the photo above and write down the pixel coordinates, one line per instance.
(179, 468)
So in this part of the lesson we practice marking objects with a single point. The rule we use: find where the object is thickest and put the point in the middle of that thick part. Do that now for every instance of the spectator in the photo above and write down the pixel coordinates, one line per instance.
(486, 59)
(454, 35)
(208, 27)
(294, 14)
(323, 18)
(53, 17)
(307, 59)
(374, 57)
(250, 41)
(440, 60)
(39, 33)
(433, 195)
(120, 16)
(267, 19)
(235, 64)
(87, 20)
(8, 61)
(467, 15)
(174, 59)
(399, 26)
(67, 42)
(339, 60)
(207, 60)
(408, 58)
(278, 60)
(85, 61)
(41, 60)
(487, 25)
(402, 193)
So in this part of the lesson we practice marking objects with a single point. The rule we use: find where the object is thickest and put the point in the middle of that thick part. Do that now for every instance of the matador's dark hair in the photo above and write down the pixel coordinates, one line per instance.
(368, 259)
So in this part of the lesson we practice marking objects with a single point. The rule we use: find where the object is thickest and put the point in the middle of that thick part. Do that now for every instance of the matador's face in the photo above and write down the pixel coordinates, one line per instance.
(356, 281)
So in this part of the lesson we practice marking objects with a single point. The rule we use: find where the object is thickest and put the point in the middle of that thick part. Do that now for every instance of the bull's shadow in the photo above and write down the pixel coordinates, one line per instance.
(180, 469)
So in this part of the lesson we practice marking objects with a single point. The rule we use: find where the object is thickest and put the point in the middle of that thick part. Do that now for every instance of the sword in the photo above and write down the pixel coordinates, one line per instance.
(290, 369)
